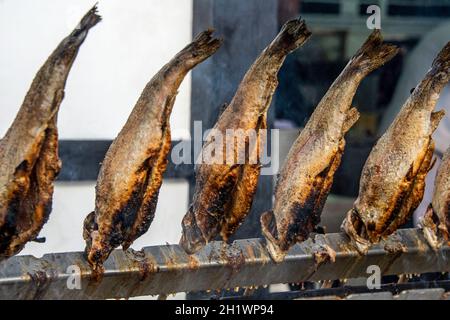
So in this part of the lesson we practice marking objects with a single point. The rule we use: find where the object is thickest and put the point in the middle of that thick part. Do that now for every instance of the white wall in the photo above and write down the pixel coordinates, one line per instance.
(118, 58)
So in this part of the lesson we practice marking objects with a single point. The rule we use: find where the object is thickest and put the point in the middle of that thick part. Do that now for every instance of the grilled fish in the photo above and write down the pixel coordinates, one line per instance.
(436, 222)
(307, 174)
(224, 190)
(131, 173)
(29, 160)
(393, 178)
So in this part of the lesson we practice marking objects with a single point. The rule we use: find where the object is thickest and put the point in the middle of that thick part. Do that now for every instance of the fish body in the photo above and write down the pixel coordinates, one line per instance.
(224, 190)
(29, 161)
(393, 178)
(307, 174)
(132, 171)
(436, 222)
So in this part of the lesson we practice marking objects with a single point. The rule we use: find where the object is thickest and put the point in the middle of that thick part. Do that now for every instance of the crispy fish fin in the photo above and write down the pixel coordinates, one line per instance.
(88, 227)
(440, 68)
(269, 230)
(354, 227)
(352, 118)
(192, 238)
(433, 229)
(429, 225)
(436, 118)
(222, 108)
(323, 254)
(373, 53)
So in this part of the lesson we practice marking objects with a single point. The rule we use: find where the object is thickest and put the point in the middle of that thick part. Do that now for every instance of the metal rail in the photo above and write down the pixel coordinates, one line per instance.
(168, 269)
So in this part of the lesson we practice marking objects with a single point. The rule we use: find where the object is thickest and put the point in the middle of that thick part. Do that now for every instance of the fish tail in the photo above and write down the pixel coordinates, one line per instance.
(291, 36)
(90, 19)
(192, 238)
(269, 230)
(68, 48)
(373, 53)
(355, 229)
(203, 46)
(440, 69)
(436, 118)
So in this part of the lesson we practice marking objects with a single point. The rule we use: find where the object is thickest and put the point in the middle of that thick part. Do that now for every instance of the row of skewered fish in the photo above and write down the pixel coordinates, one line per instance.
(391, 186)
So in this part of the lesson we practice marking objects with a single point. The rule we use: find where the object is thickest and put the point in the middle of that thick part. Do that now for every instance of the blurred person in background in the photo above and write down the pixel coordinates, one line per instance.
(416, 65)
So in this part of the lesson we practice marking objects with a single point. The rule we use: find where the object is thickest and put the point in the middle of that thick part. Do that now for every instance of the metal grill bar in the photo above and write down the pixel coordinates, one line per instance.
(393, 289)
(168, 269)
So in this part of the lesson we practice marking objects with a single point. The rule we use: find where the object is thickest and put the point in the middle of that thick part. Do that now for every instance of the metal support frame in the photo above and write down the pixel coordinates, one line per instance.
(168, 269)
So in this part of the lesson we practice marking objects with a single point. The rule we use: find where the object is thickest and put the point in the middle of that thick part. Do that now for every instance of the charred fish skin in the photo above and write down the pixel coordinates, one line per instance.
(224, 191)
(131, 173)
(436, 222)
(307, 174)
(29, 161)
(392, 181)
